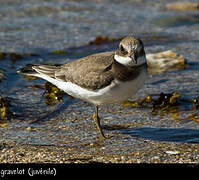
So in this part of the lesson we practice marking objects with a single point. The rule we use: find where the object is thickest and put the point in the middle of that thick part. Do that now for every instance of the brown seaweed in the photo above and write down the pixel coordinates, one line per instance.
(102, 39)
(5, 112)
(53, 95)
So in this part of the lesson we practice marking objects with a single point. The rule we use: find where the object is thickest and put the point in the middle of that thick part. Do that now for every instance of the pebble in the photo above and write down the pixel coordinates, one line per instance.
(172, 152)
(28, 129)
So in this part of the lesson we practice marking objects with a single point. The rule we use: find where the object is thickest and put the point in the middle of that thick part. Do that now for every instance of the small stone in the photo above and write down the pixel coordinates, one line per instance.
(123, 158)
(102, 148)
(28, 129)
(172, 152)
(155, 157)
(91, 144)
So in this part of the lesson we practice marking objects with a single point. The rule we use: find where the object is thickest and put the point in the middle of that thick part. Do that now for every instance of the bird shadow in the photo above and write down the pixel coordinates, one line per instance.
(183, 135)
(164, 134)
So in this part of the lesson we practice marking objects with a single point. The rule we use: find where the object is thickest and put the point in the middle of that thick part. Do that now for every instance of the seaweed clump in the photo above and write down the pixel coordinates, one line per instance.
(2, 55)
(15, 56)
(60, 52)
(53, 95)
(168, 103)
(102, 39)
(5, 112)
(165, 103)
(166, 100)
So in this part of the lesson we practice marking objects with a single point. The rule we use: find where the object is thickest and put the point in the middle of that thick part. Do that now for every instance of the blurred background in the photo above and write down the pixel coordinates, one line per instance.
(44, 26)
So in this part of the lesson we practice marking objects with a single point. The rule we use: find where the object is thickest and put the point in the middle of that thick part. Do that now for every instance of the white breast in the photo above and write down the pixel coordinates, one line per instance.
(120, 91)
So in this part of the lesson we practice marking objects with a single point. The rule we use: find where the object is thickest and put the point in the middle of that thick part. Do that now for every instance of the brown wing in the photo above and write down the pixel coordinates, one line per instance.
(91, 72)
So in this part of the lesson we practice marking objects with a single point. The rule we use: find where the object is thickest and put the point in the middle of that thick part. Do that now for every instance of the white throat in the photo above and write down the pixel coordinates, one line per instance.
(123, 60)
(127, 61)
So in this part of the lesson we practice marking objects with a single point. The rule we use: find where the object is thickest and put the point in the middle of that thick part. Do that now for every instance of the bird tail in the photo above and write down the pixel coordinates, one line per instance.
(27, 70)
(38, 70)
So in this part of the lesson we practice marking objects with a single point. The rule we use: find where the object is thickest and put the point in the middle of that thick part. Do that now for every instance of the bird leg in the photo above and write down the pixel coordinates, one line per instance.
(97, 122)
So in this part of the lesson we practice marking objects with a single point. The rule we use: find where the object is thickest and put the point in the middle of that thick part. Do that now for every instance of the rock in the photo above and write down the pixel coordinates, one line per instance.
(183, 6)
(164, 61)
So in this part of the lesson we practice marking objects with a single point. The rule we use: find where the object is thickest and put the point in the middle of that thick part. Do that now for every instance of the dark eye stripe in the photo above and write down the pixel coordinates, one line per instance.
(122, 50)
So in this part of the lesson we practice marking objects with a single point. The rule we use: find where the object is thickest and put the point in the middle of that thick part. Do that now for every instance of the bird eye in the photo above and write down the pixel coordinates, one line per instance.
(122, 50)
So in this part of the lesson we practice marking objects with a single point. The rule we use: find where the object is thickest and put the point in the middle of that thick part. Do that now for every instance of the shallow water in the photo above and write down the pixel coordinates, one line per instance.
(41, 27)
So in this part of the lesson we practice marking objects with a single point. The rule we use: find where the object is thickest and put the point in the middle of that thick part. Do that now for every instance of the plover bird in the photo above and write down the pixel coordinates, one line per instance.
(103, 78)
